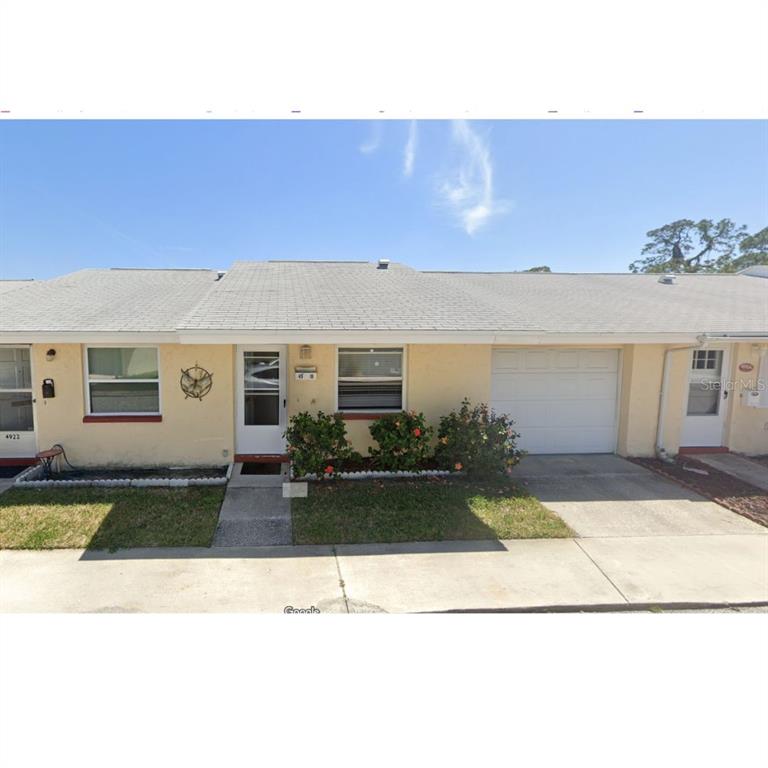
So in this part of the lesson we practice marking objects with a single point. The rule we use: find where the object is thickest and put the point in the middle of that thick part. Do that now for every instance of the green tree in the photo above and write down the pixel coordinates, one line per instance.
(691, 246)
(538, 269)
(753, 250)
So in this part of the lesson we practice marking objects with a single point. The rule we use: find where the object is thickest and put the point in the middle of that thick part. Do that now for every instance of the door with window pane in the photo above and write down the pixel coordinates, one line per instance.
(707, 398)
(17, 422)
(261, 400)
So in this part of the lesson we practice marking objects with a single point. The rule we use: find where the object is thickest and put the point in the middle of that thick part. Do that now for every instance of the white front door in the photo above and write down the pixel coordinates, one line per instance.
(707, 395)
(17, 419)
(261, 399)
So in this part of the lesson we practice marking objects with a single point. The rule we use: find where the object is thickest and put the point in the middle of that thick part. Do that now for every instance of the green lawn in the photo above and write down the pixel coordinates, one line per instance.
(356, 512)
(108, 518)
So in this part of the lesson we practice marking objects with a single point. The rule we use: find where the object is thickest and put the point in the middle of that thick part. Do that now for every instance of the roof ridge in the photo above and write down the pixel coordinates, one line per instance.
(156, 269)
(578, 274)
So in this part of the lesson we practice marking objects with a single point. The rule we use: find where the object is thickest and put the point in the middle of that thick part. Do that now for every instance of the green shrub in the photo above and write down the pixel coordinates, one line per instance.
(318, 444)
(477, 440)
(403, 440)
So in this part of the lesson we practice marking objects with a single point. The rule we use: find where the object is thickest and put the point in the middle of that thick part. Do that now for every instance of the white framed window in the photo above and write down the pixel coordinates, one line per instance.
(704, 382)
(16, 390)
(707, 360)
(370, 379)
(122, 380)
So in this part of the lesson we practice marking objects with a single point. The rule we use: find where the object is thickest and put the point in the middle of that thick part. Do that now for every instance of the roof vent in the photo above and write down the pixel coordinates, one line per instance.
(668, 279)
(383, 264)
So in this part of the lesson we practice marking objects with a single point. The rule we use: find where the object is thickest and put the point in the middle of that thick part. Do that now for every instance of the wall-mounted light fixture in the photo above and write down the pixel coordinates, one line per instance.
(50, 354)
(305, 353)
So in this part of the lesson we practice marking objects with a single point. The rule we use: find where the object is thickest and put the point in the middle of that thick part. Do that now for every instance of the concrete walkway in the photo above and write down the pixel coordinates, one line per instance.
(253, 517)
(749, 471)
(254, 512)
(601, 572)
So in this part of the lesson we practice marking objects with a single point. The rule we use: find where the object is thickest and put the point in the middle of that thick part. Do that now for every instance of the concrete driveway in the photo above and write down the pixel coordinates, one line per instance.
(601, 495)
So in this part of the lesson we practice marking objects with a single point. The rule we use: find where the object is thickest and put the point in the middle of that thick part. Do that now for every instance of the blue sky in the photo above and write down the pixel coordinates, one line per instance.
(485, 195)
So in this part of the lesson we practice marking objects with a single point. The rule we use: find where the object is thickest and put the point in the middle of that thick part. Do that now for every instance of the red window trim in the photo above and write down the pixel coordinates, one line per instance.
(94, 419)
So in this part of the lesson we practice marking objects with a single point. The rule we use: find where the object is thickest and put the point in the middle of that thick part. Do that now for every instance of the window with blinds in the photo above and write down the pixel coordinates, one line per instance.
(122, 380)
(370, 379)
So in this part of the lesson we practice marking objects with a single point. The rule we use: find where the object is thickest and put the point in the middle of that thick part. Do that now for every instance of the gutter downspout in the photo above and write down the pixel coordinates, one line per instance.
(661, 452)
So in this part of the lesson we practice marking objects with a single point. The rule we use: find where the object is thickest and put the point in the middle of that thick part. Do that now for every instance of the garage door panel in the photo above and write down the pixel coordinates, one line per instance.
(545, 440)
(601, 359)
(553, 387)
(538, 360)
(562, 400)
(533, 413)
(507, 360)
(567, 360)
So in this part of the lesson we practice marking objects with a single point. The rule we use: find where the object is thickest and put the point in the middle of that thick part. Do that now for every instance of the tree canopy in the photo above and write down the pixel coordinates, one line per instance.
(702, 246)
(753, 249)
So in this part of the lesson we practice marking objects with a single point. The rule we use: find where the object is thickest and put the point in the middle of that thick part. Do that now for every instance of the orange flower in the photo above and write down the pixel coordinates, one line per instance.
(417, 432)
(329, 470)
(457, 466)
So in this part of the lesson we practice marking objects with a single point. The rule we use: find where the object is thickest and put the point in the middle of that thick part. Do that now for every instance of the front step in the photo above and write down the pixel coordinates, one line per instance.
(239, 480)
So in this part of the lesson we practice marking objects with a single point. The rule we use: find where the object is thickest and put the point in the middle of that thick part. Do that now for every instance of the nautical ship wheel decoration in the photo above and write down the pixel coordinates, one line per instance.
(196, 382)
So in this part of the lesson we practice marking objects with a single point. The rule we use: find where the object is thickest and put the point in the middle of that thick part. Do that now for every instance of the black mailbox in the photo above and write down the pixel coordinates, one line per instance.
(48, 389)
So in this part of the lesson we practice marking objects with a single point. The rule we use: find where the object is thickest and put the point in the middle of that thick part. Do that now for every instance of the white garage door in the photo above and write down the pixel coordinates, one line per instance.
(562, 400)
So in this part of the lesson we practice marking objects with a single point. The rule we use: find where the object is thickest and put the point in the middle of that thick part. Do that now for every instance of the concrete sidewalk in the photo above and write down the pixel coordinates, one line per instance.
(738, 466)
(429, 576)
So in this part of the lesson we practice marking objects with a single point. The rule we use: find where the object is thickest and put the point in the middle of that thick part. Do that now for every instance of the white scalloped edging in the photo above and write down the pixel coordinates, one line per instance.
(382, 475)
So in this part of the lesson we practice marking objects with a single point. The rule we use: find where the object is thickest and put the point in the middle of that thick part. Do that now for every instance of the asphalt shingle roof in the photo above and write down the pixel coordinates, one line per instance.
(341, 296)
(358, 296)
(599, 303)
(12, 285)
(105, 300)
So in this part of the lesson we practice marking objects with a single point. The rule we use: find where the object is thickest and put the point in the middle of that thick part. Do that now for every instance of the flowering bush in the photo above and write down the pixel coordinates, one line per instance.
(403, 440)
(318, 444)
(477, 440)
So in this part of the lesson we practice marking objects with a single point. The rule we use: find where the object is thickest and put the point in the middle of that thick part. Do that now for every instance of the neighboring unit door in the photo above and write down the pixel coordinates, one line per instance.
(261, 399)
(561, 400)
(17, 420)
(705, 405)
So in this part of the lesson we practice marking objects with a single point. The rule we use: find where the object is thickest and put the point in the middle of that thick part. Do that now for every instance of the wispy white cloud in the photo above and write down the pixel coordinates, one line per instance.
(409, 155)
(468, 192)
(373, 142)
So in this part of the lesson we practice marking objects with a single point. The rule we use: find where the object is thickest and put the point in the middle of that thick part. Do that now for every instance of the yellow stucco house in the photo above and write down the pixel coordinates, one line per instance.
(584, 363)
